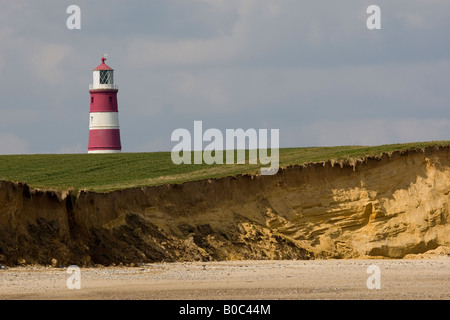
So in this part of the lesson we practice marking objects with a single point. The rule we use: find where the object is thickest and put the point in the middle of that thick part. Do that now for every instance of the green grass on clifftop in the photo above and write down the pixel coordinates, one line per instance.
(106, 172)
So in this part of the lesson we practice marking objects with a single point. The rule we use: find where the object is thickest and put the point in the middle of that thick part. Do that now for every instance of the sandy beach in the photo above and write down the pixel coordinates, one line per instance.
(242, 280)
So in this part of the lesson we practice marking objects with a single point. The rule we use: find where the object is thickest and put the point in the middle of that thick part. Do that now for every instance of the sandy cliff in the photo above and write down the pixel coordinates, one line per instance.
(396, 206)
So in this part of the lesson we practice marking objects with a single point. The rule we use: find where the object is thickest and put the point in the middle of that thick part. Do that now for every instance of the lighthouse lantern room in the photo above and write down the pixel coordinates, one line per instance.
(104, 133)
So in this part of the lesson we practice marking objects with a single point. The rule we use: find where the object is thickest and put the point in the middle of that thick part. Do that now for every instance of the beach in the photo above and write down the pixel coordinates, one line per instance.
(239, 280)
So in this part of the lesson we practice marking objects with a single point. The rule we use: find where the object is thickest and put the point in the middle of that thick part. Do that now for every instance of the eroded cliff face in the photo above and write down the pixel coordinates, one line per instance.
(394, 206)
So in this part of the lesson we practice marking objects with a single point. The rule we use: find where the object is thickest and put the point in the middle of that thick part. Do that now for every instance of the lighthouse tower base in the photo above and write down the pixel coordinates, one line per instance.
(105, 151)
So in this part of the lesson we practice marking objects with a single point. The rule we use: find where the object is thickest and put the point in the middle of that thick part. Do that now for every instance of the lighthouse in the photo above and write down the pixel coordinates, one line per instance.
(104, 133)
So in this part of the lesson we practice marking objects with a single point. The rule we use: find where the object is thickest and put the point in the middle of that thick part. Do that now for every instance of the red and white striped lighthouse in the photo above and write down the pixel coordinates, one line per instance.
(104, 133)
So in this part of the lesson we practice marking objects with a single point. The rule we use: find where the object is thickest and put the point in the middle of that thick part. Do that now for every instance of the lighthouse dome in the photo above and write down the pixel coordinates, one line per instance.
(103, 65)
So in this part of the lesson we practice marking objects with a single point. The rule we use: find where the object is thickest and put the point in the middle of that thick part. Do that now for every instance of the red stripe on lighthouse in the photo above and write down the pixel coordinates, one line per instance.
(104, 139)
(103, 101)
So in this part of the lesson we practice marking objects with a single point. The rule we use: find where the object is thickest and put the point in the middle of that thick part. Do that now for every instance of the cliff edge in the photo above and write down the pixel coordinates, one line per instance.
(395, 205)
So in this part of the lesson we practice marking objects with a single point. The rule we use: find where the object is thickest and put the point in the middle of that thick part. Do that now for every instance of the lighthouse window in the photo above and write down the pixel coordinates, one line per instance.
(92, 99)
(106, 77)
(110, 99)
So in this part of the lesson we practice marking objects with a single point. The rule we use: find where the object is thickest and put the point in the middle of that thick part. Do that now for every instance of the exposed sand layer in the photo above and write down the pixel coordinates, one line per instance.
(243, 280)
(393, 206)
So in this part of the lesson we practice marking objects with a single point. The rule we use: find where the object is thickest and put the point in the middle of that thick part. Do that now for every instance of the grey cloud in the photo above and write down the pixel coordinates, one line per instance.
(292, 65)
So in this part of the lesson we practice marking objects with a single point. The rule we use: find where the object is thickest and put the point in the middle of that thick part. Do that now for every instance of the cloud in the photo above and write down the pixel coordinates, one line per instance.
(15, 117)
(46, 62)
(11, 144)
(281, 64)
(209, 88)
(250, 32)
(309, 93)
(6, 33)
(151, 52)
(367, 132)
(78, 148)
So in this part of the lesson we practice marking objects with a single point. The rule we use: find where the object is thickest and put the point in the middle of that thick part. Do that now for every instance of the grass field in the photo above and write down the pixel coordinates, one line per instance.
(106, 172)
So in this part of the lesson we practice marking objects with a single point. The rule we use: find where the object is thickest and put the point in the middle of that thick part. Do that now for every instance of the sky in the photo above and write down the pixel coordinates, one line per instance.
(310, 68)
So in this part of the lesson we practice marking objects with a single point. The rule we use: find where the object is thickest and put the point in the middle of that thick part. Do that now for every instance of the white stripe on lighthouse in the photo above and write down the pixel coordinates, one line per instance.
(104, 151)
(104, 120)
